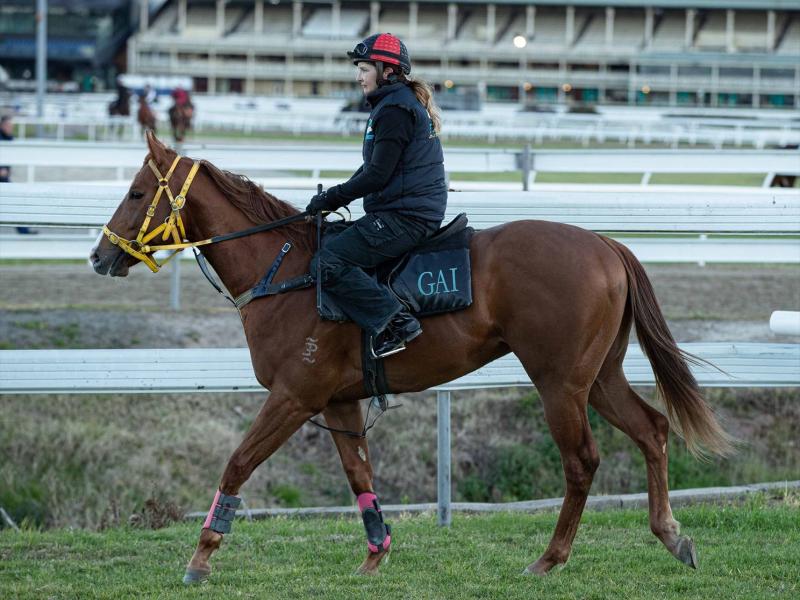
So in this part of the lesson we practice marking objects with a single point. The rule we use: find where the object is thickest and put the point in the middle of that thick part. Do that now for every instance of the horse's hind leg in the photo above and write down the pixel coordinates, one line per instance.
(354, 453)
(277, 420)
(565, 412)
(612, 396)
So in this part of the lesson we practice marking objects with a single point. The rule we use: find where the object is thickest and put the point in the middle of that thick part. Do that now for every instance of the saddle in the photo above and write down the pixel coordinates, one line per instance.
(435, 277)
(432, 278)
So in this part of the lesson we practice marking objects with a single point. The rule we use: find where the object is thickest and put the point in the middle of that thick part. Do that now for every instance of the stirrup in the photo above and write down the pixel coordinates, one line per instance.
(399, 348)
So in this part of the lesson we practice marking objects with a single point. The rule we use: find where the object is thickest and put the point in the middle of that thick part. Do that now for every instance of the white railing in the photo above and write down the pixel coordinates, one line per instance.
(185, 370)
(523, 126)
(33, 155)
(645, 210)
(773, 214)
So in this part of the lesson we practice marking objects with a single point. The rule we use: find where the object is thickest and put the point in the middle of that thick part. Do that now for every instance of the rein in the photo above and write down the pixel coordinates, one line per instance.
(173, 224)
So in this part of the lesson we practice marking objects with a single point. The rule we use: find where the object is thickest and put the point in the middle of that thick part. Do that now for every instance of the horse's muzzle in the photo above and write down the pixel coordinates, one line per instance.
(110, 262)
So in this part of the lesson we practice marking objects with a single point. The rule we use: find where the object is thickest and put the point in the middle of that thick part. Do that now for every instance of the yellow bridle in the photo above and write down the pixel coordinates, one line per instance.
(171, 227)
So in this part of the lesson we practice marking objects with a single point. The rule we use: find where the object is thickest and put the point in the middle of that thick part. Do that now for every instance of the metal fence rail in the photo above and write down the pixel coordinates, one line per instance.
(33, 155)
(230, 370)
(746, 211)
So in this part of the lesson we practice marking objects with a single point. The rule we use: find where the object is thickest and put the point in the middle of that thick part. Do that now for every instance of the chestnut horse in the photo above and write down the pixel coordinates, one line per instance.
(145, 115)
(561, 298)
(180, 118)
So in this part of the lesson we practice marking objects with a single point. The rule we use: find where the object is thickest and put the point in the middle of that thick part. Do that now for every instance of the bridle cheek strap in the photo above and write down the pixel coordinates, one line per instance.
(172, 227)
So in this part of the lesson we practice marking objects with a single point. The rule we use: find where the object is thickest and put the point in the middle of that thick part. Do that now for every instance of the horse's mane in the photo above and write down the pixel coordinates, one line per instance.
(260, 206)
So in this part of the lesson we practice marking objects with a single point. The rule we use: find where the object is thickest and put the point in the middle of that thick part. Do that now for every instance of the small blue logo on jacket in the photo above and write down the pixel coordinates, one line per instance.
(369, 134)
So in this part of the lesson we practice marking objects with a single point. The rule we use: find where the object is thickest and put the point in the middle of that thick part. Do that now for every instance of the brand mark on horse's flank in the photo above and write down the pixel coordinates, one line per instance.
(308, 353)
(436, 284)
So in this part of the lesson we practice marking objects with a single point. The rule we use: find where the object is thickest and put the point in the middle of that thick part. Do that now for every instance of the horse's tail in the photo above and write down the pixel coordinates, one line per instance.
(688, 413)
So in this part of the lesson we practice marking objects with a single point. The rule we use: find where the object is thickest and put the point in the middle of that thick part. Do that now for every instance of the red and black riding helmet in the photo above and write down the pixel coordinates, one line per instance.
(382, 47)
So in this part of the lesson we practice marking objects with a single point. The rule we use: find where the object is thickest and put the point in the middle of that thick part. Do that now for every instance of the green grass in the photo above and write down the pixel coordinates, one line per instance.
(746, 551)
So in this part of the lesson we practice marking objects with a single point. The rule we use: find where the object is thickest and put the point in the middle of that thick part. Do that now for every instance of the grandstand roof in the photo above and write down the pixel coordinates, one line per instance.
(71, 4)
(727, 4)
(716, 4)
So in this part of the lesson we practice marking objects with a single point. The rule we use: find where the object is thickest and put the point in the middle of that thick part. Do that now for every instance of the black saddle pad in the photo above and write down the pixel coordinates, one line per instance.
(433, 278)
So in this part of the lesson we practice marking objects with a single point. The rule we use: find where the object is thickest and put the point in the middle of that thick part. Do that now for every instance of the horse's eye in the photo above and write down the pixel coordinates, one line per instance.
(136, 195)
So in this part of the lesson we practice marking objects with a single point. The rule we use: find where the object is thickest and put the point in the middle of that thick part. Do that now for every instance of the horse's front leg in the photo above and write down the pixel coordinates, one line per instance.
(277, 420)
(354, 453)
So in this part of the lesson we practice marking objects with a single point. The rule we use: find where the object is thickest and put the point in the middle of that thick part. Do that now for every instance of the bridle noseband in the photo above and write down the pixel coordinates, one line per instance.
(171, 227)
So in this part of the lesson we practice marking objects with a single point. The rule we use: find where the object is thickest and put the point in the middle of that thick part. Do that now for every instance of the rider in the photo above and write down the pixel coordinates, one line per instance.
(403, 185)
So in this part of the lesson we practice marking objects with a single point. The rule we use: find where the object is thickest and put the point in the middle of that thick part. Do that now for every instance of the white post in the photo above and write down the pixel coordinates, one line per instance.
(756, 86)
(413, 18)
(181, 16)
(569, 27)
(220, 18)
(175, 284)
(770, 30)
(730, 27)
(610, 25)
(258, 25)
(374, 16)
(297, 18)
(648, 27)
(250, 80)
(443, 454)
(41, 60)
(530, 22)
(133, 66)
(491, 13)
(452, 14)
(212, 71)
(336, 18)
(144, 15)
(688, 34)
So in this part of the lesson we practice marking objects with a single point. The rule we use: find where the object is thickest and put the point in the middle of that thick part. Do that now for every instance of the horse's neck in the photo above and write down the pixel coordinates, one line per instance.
(239, 263)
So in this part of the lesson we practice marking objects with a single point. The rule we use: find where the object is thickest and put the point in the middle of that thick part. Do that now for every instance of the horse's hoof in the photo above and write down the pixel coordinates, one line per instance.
(371, 563)
(194, 576)
(686, 553)
(540, 568)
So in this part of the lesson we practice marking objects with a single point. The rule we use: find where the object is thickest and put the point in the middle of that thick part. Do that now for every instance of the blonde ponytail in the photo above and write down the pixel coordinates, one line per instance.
(424, 93)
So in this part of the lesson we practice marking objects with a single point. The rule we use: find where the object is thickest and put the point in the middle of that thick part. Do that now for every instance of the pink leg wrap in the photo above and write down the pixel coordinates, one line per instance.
(222, 512)
(378, 533)
(365, 500)
(210, 515)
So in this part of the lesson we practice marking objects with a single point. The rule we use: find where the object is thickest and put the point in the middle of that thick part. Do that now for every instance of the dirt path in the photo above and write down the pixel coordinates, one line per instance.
(68, 306)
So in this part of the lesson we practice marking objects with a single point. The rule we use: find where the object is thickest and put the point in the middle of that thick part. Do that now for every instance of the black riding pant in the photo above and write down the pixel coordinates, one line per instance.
(372, 240)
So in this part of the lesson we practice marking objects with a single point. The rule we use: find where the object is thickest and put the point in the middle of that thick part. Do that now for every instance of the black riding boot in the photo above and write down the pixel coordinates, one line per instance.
(401, 329)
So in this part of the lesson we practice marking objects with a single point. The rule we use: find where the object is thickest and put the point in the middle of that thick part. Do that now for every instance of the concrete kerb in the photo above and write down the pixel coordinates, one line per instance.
(677, 498)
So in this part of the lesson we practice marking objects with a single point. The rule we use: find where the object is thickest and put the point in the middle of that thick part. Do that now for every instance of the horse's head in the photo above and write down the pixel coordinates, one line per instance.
(149, 214)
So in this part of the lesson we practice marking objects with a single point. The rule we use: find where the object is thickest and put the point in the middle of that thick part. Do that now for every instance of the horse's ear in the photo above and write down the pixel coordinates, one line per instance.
(157, 149)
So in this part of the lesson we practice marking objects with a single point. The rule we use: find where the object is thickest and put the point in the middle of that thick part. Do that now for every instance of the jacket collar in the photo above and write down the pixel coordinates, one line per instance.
(374, 97)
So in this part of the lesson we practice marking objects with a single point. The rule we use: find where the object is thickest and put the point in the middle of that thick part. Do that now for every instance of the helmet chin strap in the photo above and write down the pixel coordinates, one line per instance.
(392, 78)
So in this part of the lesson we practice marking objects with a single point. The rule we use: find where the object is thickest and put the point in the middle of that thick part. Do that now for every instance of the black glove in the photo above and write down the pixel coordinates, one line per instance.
(326, 200)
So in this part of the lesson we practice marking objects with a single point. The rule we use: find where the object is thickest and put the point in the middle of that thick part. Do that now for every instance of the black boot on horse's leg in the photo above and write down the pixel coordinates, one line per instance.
(354, 453)
(403, 328)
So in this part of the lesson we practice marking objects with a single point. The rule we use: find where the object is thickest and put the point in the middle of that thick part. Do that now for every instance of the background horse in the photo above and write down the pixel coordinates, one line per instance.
(145, 116)
(180, 117)
(561, 298)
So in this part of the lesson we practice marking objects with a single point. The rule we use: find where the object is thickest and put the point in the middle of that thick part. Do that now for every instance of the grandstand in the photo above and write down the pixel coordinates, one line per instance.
(667, 52)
